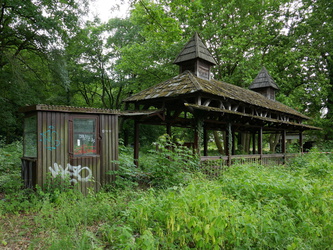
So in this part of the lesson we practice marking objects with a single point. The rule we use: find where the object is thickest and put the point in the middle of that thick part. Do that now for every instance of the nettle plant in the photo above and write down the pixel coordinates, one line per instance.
(170, 163)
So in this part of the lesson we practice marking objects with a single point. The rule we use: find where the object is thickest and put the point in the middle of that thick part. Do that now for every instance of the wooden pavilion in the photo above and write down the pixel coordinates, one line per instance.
(194, 100)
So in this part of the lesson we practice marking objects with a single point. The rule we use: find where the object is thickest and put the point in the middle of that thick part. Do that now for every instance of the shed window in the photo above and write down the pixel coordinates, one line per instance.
(30, 137)
(85, 136)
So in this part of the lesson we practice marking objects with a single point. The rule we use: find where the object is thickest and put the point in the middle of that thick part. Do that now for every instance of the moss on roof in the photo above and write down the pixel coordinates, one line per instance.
(60, 108)
(265, 119)
(186, 83)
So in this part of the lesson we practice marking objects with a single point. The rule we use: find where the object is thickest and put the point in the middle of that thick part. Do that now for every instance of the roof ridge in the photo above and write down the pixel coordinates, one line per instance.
(194, 80)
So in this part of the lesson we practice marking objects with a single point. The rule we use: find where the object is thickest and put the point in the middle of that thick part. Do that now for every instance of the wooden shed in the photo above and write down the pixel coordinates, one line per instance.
(60, 141)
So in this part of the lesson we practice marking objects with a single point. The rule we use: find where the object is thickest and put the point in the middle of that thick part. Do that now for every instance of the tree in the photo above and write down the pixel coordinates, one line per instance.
(29, 32)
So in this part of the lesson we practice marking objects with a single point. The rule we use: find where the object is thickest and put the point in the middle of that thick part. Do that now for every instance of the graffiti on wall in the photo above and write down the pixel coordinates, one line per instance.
(74, 172)
(50, 138)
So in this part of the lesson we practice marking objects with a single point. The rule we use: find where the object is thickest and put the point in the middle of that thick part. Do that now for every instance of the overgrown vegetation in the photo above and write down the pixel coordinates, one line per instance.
(247, 206)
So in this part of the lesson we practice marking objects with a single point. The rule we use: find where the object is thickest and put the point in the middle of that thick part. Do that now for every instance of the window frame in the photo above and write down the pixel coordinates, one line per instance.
(71, 136)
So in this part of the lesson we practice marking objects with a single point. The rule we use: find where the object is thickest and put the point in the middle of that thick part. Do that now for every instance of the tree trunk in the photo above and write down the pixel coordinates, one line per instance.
(273, 142)
(218, 142)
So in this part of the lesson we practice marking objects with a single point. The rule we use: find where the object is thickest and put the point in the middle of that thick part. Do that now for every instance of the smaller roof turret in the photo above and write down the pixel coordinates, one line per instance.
(196, 58)
(263, 80)
(195, 49)
(264, 84)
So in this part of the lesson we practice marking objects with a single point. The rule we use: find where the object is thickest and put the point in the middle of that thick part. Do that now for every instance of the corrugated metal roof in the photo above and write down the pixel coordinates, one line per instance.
(263, 80)
(194, 49)
(186, 83)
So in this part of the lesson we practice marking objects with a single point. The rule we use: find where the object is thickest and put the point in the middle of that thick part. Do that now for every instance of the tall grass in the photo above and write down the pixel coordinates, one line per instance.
(247, 207)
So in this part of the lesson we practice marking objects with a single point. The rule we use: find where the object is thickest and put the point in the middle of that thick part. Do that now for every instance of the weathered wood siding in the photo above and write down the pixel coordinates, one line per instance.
(52, 145)
(55, 154)
(109, 147)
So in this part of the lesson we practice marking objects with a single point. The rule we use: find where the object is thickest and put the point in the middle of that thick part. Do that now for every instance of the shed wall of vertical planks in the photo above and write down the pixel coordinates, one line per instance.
(55, 153)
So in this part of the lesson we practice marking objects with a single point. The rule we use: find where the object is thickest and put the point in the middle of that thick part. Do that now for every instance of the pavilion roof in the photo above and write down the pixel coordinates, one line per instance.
(187, 84)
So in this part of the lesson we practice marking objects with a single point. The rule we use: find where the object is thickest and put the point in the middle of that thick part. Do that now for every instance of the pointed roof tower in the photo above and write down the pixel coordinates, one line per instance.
(264, 84)
(196, 58)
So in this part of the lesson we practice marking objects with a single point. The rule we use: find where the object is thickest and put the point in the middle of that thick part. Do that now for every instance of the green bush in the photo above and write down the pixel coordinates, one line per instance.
(250, 206)
(10, 167)
(168, 164)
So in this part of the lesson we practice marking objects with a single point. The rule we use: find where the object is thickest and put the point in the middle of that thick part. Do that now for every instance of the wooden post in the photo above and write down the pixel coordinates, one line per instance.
(198, 133)
(168, 129)
(254, 143)
(233, 143)
(136, 142)
(196, 141)
(230, 143)
(283, 141)
(260, 144)
(205, 141)
(301, 141)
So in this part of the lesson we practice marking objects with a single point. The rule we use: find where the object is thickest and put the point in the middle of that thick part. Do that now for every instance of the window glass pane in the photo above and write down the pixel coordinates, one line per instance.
(84, 138)
(30, 137)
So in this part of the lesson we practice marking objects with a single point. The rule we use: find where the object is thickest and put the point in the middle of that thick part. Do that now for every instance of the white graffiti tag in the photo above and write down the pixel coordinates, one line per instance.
(71, 171)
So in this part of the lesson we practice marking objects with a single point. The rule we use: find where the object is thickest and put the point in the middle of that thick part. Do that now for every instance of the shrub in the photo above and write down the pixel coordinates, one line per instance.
(169, 163)
(10, 167)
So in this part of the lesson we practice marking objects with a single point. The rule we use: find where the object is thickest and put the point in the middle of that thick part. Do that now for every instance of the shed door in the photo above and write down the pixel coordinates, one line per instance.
(84, 147)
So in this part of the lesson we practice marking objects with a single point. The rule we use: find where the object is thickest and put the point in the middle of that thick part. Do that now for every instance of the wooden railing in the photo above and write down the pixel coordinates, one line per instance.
(213, 165)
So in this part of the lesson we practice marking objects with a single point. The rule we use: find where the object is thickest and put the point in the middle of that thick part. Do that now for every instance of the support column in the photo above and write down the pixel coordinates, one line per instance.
(283, 145)
(301, 141)
(260, 144)
(136, 142)
(233, 142)
(230, 143)
(168, 129)
(198, 134)
(254, 143)
(205, 140)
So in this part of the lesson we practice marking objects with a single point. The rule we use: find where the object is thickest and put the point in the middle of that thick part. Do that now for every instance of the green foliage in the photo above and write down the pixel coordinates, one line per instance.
(10, 166)
(167, 165)
(248, 206)
(170, 163)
